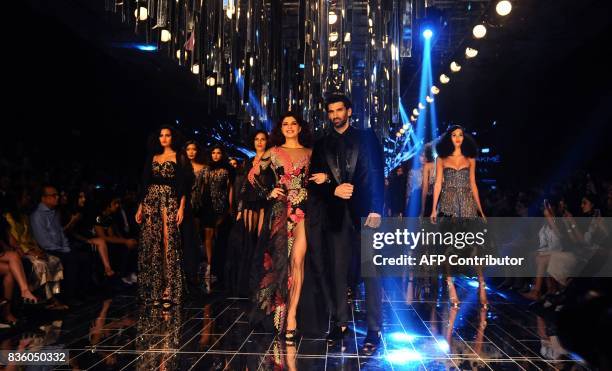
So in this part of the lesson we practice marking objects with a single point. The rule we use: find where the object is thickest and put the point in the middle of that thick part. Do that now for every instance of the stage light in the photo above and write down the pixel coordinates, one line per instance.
(405, 126)
(415, 112)
(402, 131)
(251, 61)
(347, 37)
(421, 106)
(398, 134)
(470, 52)
(178, 54)
(435, 90)
(229, 13)
(195, 69)
(503, 8)
(429, 99)
(479, 31)
(333, 36)
(403, 356)
(141, 13)
(427, 33)
(219, 90)
(444, 79)
(146, 48)
(333, 17)
(165, 36)
(412, 118)
(455, 67)
(401, 337)
(210, 81)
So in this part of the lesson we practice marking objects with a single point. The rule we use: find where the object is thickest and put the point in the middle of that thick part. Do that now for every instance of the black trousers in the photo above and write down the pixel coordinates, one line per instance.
(344, 247)
(77, 271)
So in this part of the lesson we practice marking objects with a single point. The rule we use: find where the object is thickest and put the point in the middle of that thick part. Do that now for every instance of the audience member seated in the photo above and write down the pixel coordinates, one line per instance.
(49, 234)
(47, 271)
(79, 230)
(125, 248)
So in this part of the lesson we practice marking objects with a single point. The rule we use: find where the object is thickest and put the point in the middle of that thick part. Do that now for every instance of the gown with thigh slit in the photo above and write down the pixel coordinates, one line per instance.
(286, 169)
(160, 255)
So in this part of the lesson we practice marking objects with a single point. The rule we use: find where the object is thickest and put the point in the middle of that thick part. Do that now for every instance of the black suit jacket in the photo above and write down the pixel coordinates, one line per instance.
(364, 170)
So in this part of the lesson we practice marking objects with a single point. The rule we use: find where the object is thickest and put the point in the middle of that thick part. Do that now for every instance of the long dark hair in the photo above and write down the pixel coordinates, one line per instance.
(265, 133)
(428, 152)
(223, 162)
(304, 137)
(155, 148)
(445, 146)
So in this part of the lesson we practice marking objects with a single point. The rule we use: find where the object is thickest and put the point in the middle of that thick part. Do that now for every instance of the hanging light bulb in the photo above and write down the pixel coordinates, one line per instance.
(470, 52)
(333, 37)
(211, 81)
(405, 126)
(503, 8)
(402, 131)
(333, 17)
(479, 31)
(178, 54)
(195, 69)
(398, 134)
(370, 22)
(251, 61)
(444, 79)
(421, 106)
(347, 37)
(335, 66)
(429, 99)
(141, 13)
(415, 112)
(219, 90)
(412, 118)
(435, 90)
(165, 36)
(373, 42)
(333, 53)
(455, 67)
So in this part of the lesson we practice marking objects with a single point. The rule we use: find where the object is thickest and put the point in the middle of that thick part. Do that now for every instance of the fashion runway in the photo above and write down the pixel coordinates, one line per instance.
(419, 333)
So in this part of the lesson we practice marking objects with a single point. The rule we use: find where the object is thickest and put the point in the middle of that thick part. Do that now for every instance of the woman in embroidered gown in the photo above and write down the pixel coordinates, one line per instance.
(249, 221)
(455, 197)
(160, 213)
(282, 177)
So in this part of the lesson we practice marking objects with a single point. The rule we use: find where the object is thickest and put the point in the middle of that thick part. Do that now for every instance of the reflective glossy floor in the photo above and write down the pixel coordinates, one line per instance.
(421, 332)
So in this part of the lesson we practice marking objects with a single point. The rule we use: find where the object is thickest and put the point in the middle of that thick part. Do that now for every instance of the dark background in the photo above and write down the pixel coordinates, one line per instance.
(546, 83)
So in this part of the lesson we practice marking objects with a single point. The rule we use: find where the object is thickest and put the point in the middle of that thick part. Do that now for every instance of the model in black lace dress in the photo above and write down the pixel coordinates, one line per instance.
(249, 221)
(191, 228)
(455, 198)
(160, 213)
(216, 202)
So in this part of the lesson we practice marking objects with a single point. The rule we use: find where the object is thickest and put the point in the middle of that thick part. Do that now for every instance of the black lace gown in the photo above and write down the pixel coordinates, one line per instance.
(160, 267)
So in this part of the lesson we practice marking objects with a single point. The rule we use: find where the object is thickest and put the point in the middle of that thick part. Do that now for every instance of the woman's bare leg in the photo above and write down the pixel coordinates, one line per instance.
(8, 284)
(102, 249)
(14, 262)
(297, 274)
(209, 234)
(261, 221)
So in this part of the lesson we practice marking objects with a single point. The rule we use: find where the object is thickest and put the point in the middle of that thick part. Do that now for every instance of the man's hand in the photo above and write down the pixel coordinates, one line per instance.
(373, 220)
(318, 178)
(344, 191)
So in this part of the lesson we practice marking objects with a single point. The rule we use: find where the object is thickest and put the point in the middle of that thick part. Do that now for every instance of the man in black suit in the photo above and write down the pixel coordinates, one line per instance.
(348, 170)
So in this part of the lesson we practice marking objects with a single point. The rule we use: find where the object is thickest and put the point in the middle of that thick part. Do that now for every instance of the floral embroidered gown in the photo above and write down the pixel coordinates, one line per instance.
(287, 169)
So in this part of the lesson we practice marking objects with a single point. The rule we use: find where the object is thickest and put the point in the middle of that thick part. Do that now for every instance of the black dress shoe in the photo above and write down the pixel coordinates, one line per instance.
(336, 334)
(371, 342)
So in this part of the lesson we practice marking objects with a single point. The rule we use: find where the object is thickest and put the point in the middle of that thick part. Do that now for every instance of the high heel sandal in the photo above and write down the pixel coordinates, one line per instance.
(290, 337)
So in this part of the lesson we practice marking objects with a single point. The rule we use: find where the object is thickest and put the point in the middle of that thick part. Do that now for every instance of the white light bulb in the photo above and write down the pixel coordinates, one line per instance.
(195, 69)
(471, 52)
(333, 17)
(479, 31)
(455, 67)
(503, 8)
(141, 13)
(435, 90)
(165, 36)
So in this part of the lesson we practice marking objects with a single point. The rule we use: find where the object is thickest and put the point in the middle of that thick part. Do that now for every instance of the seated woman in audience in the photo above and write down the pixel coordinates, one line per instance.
(47, 270)
(104, 229)
(80, 233)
